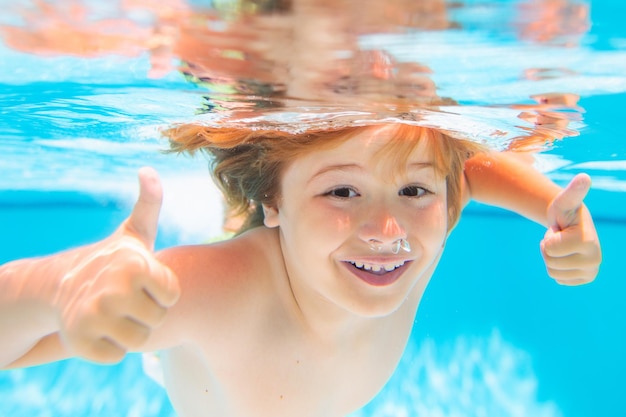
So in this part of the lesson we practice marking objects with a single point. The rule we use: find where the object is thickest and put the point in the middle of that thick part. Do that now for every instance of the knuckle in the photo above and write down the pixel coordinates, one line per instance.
(154, 316)
(110, 303)
(550, 246)
(117, 304)
(82, 327)
(159, 316)
(174, 287)
(136, 336)
(130, 258)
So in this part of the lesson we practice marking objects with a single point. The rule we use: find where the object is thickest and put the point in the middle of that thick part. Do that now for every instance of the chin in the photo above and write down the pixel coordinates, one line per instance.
(369, 300)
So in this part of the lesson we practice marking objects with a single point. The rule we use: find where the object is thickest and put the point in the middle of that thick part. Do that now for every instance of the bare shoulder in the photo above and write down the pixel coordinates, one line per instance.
(223, 281)
(227, 261)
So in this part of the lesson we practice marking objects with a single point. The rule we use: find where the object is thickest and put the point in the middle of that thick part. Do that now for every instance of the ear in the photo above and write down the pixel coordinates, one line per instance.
(270, 216)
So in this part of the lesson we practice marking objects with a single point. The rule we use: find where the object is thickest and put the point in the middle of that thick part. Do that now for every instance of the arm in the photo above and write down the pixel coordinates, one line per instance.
(570, 248)
(96, 301)
(508, 180)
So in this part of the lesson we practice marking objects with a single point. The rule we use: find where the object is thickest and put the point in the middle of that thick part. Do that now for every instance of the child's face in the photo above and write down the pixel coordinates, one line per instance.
(335, 200)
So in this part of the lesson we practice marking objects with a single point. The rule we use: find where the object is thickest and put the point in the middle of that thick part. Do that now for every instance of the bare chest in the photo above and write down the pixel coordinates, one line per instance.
(266, 381)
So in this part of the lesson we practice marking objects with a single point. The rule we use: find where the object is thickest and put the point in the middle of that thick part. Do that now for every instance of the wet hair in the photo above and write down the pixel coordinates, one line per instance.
(248, 164)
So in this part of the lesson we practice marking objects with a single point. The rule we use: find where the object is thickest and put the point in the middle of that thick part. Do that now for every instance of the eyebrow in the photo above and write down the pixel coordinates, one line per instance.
(350, 167)
(337, 167)
(421, 165)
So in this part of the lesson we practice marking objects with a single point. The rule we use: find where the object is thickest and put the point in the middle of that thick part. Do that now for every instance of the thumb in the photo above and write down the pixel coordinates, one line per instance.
(143, 220)
(564, 211)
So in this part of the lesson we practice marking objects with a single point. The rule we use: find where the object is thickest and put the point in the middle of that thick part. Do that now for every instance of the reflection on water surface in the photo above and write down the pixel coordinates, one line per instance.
(490, 71)
(86, 76)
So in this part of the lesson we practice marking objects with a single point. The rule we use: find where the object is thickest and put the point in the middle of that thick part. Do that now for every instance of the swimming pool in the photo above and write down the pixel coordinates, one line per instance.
(493, 337)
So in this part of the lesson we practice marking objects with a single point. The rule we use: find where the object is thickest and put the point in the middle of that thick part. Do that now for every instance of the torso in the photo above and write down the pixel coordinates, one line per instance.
(256, 357)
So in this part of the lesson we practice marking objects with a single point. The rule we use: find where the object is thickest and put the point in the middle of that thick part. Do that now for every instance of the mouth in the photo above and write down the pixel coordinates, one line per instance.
(377, 274)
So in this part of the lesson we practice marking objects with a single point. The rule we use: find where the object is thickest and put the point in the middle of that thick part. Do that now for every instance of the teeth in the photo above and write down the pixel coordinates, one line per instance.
(377, 268)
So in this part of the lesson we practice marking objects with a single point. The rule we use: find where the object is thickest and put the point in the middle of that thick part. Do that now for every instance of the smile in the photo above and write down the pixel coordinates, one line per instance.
(377, 274)
(376, 268)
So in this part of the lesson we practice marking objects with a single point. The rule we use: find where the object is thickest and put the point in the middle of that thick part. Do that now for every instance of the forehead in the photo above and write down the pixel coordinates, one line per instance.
(395, 140)
(392, 147)
(382, 151)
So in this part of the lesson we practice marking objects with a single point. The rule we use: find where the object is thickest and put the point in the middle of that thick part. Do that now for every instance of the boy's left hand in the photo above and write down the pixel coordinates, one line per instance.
(570, 247)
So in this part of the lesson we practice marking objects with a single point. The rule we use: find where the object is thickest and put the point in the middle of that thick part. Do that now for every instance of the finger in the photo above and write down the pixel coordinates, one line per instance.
(572, 276)
(145, 310)
(581, 275)
(573, 282)
(161, 285)
(564, 210)
(574, 240)
(94, 344)
(574, 261)
(105, 351)
(559, 244)
(126, 332)
(139, 307)
(144, 219)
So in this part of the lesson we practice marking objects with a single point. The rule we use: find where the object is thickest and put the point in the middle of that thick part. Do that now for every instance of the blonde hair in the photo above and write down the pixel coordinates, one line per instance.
(248, 164)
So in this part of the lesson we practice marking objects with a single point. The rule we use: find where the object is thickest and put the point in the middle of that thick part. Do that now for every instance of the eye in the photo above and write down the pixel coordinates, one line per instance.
(413, 191)
(343, 192)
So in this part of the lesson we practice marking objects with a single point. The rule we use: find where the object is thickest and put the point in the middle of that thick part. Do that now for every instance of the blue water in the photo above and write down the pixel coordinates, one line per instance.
(494, 336)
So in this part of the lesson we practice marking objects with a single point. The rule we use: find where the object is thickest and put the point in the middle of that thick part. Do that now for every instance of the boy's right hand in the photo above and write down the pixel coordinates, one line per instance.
(118, 292)
(571, 247)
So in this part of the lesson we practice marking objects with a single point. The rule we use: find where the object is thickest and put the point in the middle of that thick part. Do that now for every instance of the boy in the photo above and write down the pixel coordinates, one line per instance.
(307, 311)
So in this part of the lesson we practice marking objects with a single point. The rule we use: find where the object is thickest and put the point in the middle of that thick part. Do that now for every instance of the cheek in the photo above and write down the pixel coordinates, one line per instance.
(329, 221)
(432, 224)
(342, 222)
(320, 227)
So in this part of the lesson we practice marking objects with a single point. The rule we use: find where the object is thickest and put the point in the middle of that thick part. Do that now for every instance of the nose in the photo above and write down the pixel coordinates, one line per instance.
(383, 233)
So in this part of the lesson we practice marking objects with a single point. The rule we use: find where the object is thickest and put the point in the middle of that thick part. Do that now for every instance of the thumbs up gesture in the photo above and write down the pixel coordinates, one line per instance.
(570, 247)
(117, 292)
